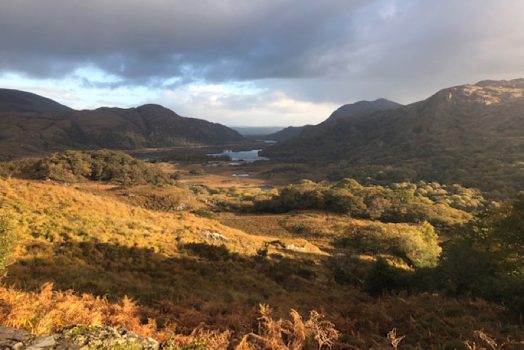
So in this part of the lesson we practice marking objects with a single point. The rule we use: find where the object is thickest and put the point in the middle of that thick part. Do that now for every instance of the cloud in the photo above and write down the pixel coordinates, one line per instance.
(258, 62)
(141, 41)
(243, 105)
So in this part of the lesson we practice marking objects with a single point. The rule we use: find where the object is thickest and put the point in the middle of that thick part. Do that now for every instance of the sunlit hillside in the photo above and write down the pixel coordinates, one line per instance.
(98, 253)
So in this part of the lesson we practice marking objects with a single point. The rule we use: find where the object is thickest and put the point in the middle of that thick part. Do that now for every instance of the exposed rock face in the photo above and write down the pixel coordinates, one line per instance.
(76, 338)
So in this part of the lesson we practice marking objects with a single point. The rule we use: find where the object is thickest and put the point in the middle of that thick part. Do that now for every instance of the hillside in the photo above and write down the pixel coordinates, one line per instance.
(21, 101)
(284, 134)
(469, 134)
(191, 264)
(361, 109)
(347, 111)
(30, 124)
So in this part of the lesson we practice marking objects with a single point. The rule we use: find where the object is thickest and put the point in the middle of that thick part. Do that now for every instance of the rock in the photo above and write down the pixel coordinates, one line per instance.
(13, 338)
(295, 248)
(18, 346)
(42, 343)
(103, 337)
(76, 338)
(215, 236)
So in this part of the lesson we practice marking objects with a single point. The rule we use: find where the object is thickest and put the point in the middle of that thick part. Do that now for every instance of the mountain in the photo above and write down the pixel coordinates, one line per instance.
(285, 134)
(472, 134)
(353, 110)
(361, 108)
(329, 134)
(21, 101)
(256, 131)
(33, 124)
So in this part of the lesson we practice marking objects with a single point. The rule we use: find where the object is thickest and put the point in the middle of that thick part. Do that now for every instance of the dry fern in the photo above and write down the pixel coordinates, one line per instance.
(394, 339)
(291, 334)
(488, 343)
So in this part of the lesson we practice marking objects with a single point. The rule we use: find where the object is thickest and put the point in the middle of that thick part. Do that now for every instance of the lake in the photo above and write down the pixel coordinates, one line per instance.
(246, 156)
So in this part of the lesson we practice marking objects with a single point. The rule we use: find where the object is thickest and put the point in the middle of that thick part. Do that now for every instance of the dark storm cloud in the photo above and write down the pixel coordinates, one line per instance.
(142, 41)
(314, 51)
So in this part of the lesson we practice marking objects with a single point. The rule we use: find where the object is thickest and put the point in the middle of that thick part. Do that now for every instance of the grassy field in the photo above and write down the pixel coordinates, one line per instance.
(189, 265)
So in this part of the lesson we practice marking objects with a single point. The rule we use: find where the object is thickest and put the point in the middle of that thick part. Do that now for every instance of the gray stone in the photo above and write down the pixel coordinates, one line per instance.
(76, 338)
(42, 343)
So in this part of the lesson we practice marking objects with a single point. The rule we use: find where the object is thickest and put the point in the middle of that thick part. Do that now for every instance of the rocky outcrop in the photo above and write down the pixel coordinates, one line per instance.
(76, 338)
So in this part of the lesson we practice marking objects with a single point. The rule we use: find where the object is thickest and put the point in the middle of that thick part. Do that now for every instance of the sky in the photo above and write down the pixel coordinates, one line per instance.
(255, 63)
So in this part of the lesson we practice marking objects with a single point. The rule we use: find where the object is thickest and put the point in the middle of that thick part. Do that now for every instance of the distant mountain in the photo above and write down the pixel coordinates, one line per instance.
(21, 101)
(285, 134)
(256, 130)
(353, 110)
(328, 134)
(32, 124)
(360, 109)
(471, 134)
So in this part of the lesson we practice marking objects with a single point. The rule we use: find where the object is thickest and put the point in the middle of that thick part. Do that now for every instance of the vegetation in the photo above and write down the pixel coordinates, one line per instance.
(192, 267)
(451, 137)
(147, 126)
(491, 256)
(483, 259)
(416, 245)
(404, 202)
(76, 166)
(6, 243)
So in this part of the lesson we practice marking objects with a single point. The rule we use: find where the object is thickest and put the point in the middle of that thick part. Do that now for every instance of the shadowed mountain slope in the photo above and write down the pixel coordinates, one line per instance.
(471, 134)
(33, 124)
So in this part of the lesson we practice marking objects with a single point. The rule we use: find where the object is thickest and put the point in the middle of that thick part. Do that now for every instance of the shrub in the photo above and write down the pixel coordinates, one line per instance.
(465, 270)
(208, 251)
(417, 245)
(384, 278)
(101, 165)
(396, 203)
(346, 269)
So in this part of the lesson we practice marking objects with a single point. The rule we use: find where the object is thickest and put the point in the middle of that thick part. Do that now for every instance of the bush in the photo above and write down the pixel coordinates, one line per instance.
(101, 165)
(465, 270)
(384, 278)
(346, 269)
(209, 252)
(417, 245)
(396, 203)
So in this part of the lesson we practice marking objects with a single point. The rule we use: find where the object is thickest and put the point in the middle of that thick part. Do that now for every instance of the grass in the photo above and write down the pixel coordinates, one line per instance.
(89, 255)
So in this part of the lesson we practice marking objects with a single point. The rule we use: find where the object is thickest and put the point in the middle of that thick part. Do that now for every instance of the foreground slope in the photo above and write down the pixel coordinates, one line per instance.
(181, 270)
(469, 134)
(32, 124)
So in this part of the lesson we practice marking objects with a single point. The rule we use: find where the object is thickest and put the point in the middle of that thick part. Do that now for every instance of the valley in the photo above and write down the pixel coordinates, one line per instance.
(261, 175)
(209, 245)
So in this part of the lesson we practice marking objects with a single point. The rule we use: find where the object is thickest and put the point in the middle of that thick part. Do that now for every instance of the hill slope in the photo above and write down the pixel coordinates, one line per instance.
(21, 101)
(285, 134)
(353, 110)
(32, 124)
(471, 134)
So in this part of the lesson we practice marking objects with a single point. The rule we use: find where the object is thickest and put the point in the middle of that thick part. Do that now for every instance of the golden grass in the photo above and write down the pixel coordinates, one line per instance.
(100, 251)
(47, 213)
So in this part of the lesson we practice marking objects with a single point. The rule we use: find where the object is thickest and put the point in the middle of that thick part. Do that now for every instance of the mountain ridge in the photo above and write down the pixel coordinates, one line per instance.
(473, 133)
(12, 100)
(32, 124)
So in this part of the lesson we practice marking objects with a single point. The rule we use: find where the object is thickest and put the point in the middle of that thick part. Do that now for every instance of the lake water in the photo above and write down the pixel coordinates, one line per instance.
(246, 156)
